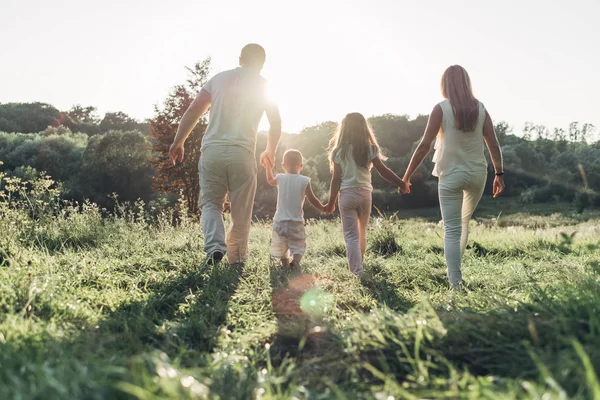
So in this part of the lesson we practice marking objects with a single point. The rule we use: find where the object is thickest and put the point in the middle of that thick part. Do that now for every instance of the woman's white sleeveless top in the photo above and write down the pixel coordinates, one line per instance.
(456, 150)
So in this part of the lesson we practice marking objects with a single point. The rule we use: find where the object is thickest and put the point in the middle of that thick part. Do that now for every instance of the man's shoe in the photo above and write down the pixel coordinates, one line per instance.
(214, 258)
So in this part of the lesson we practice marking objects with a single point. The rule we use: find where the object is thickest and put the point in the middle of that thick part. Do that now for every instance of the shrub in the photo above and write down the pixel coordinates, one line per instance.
(383, 243)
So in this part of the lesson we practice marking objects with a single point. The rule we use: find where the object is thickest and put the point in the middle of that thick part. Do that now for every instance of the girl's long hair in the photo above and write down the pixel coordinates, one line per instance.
(456, 87)
(354, 131)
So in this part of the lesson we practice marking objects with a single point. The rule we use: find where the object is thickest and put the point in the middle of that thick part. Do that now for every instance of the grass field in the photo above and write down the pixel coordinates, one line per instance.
(97, 308)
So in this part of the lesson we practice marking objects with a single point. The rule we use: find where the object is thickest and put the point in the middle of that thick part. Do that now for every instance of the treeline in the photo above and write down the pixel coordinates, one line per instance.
(94, 167)
(94, 158)
(562, 165)
(88, 167)
(36, 117)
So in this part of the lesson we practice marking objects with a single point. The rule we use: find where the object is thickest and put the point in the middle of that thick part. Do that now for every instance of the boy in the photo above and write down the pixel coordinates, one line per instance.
(288, 223)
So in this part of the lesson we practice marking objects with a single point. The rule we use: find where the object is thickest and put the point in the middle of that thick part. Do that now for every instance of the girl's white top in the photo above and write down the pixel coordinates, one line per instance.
(353, 175)
(456, 150)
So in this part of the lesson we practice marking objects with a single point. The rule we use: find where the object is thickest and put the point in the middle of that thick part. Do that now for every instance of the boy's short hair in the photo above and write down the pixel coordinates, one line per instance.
(293, 157)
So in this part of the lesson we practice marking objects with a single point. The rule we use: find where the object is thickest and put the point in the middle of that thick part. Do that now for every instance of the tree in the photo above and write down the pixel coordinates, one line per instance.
(84, 115)
(182, 178)
(502, 131)
(27, 117)
(118, 121)
(58, 155)
(117, 162)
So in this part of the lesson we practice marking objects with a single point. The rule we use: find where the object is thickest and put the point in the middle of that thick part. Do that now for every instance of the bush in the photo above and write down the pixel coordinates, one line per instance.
(383, 243)
(585, 198)
(539, 194)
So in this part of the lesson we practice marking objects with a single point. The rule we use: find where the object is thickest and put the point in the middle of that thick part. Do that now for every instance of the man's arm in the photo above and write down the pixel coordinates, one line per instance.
(270, 178)
(334, 188)
(267, 158)
(189, 120)
(312, 199)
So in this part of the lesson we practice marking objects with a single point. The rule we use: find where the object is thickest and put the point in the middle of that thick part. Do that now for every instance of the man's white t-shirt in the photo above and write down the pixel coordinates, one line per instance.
(353, 175)
(291, 191)
(238, 101)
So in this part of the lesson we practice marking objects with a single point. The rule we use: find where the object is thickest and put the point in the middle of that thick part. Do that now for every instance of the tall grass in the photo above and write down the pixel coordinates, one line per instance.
(119, 306)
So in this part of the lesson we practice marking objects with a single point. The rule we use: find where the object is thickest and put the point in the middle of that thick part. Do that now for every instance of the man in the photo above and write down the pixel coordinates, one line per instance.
(237, 99)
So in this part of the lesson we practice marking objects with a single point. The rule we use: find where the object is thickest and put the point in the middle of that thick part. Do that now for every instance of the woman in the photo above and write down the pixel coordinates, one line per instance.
(461, 125)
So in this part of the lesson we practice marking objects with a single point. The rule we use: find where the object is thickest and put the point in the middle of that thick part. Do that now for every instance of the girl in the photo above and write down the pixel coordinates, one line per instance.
(353, 149)
(461, 124)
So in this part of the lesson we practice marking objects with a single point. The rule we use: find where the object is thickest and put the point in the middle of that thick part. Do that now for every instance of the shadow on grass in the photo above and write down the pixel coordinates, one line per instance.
(182, 313)
(385, 293)
(180, 317)
(532, 341)
(299, 307)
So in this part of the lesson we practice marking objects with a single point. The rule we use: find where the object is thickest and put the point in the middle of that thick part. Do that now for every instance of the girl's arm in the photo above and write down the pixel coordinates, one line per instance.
(334, 188)
(388, 174)
(312, 199)
(491, 140)
(270, 178)
(433, 127)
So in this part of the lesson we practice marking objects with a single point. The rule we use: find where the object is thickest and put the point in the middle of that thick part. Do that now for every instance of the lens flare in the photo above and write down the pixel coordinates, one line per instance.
(316, 303)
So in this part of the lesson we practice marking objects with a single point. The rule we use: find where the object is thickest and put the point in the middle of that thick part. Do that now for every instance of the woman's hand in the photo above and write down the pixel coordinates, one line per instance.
(498, 185)
(330, 207)
(405, 188)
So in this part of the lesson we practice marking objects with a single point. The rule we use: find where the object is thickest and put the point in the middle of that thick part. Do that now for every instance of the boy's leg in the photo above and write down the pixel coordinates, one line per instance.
(279, 245)
(213, 187)
(297, 241)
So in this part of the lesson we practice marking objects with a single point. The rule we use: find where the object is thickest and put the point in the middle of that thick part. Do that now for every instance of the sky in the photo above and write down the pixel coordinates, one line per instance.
(531, 60)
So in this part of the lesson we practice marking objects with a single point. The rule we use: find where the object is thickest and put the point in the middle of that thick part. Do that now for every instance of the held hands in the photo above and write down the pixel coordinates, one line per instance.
(329, 207)
(404, 188)
(267, 159)
(498, 185)
(176, 152)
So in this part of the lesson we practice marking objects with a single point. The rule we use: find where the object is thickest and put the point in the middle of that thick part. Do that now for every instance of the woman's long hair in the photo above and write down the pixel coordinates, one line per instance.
(456, 87)
(354, 131)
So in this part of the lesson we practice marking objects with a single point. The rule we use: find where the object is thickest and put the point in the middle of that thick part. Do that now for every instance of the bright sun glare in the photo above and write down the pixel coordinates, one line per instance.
(273, 95)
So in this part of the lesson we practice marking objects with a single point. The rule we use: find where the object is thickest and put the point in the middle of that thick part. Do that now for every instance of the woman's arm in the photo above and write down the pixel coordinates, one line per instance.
(334, 188)
(312, 199)
(491, 140)
(433, 127)
(388, 174)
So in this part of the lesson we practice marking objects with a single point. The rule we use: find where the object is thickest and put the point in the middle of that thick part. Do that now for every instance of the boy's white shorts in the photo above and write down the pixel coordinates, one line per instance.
(288, 237)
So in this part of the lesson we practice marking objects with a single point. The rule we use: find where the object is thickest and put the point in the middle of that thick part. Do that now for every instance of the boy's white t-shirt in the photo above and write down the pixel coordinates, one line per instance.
(291, 191)
(354, 176)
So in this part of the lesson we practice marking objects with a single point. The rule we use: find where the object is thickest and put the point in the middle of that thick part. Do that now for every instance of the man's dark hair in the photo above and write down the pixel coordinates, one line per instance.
(253, 55)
